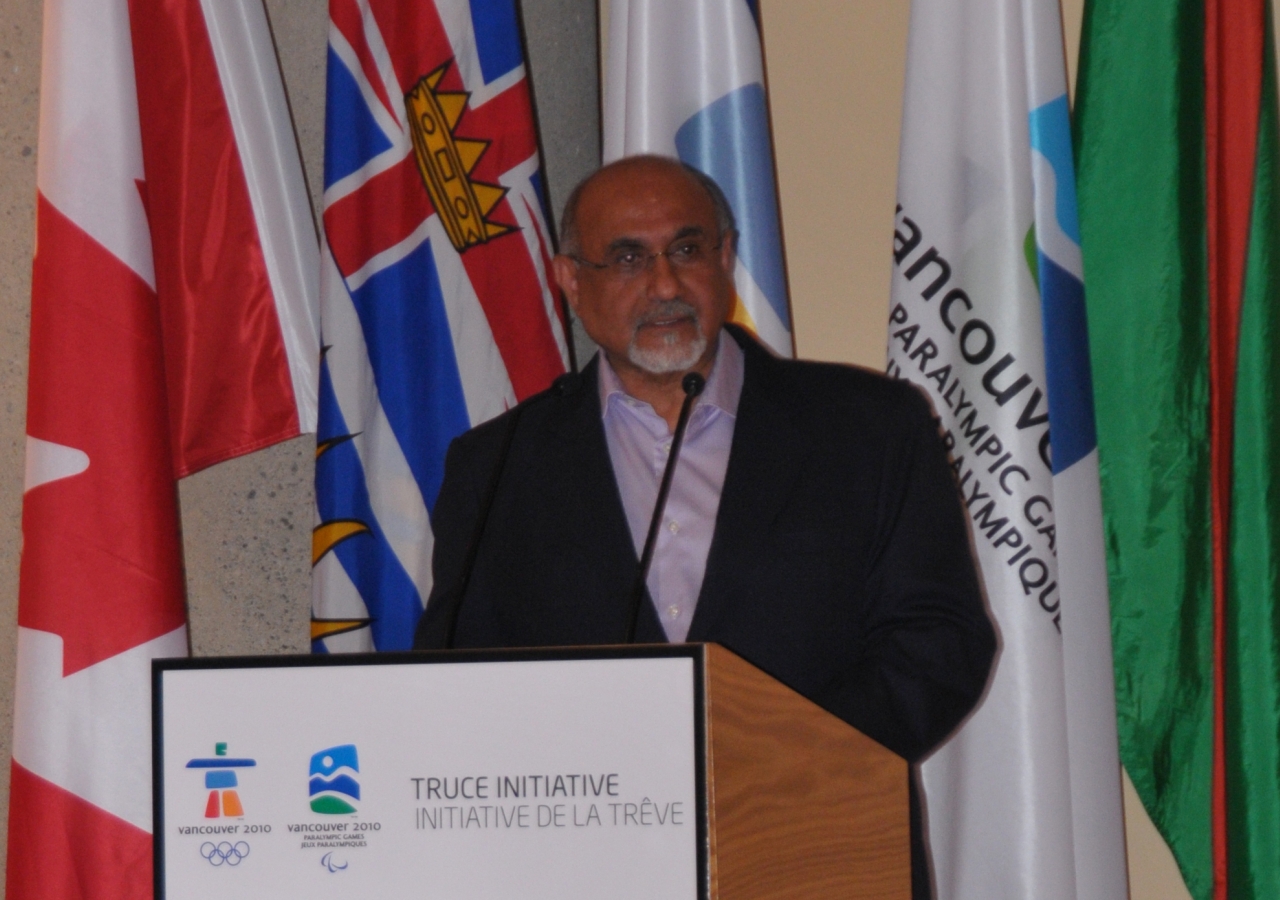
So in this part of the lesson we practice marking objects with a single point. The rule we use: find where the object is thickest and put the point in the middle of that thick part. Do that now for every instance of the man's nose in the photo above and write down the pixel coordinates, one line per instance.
(664, 282)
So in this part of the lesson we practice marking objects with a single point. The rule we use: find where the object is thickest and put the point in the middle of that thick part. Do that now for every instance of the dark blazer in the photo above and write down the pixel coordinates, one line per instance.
(840, 562)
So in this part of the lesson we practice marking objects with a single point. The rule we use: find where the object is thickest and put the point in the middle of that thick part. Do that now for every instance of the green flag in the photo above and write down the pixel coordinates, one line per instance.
(1176, 132)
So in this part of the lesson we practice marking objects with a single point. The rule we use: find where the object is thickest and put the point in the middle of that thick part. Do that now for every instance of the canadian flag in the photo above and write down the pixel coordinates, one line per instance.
(173, 325)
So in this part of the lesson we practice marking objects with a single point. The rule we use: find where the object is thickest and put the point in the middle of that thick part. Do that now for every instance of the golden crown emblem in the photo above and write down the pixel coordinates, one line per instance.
(446, 161)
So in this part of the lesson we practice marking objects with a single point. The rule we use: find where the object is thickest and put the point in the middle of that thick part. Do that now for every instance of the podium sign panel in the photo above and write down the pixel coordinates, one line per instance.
(477, 776)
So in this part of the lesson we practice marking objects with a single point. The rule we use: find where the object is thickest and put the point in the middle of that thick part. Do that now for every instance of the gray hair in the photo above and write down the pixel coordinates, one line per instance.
(724, 212)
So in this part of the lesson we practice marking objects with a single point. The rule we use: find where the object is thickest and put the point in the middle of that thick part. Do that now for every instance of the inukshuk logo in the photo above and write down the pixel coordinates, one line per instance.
(334, 788)
(221, 782)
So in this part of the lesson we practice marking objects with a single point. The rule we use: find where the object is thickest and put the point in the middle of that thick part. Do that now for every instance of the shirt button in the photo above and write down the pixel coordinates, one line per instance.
(673, 611)
(674, 527)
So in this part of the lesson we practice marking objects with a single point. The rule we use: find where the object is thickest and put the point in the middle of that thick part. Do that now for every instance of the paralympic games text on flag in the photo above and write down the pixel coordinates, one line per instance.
(147, 364)
(987, 317)
(685, 78)
(437, 306)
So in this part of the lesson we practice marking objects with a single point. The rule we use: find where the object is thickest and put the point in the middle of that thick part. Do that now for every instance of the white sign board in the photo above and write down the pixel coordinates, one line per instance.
(499, 776)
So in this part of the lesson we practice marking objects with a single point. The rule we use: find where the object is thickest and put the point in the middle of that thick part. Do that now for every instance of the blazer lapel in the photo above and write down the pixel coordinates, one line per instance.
(590, 493)
(764, 459)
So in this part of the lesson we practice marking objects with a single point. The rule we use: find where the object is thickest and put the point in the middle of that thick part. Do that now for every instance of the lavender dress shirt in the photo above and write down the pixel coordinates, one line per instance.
(639, 442)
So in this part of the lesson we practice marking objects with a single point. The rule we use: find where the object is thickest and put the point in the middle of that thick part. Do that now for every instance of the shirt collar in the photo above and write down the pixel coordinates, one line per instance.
(723, 389)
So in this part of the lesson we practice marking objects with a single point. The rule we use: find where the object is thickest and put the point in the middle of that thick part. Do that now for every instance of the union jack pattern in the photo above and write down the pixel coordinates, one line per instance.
(437, 305)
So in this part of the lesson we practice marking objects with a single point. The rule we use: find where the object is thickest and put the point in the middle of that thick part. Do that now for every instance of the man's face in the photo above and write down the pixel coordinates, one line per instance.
(651, 314)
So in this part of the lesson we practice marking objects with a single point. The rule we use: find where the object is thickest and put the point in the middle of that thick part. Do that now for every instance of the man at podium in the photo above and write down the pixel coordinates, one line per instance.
(812, 526)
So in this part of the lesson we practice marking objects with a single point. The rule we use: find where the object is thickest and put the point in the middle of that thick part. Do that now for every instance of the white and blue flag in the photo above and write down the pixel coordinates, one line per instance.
(987, 316)
(685, 78)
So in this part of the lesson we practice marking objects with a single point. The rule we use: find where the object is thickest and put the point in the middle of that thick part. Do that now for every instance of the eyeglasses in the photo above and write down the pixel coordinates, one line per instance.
(684, 254)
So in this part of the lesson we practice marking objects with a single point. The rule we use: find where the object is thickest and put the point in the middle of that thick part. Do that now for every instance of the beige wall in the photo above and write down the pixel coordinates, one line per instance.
(835, 74)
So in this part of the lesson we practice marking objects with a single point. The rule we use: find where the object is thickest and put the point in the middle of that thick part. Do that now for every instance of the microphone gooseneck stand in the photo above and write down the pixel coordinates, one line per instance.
(693, 384)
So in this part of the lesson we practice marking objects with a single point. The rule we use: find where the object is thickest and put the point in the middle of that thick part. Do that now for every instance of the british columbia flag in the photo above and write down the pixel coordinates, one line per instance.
(437, 305)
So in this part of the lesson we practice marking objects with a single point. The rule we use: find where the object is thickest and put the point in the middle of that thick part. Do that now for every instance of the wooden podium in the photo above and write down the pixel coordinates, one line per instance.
(781, 799)
(800, 805)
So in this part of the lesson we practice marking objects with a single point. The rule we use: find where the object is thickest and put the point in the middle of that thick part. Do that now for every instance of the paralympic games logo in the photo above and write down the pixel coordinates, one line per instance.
(334, 788)
(225, 853)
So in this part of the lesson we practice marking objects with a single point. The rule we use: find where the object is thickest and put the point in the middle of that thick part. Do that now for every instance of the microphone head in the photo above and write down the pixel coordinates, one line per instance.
(693, 383)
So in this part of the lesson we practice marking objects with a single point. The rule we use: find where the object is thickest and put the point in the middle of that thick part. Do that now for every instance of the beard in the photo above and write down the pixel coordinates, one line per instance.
(672, 354)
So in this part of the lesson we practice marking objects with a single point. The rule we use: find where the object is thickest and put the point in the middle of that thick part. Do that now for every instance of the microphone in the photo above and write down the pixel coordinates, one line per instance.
(693, 383)
(562, 387)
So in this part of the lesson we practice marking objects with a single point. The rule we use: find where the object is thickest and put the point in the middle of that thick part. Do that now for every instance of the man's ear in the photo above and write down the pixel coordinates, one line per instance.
(566, 274)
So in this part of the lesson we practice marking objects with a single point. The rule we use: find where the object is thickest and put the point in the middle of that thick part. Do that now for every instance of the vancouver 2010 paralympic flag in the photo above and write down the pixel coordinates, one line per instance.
(172, 327)
(987, 316)
(685, 78)
(1180, 219)
(437, 308)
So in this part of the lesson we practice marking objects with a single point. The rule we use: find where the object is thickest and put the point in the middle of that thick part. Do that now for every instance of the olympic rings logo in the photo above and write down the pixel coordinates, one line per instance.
(226, 852)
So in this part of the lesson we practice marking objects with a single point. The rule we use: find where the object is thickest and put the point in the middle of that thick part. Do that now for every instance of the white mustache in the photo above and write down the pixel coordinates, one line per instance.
(667, 309)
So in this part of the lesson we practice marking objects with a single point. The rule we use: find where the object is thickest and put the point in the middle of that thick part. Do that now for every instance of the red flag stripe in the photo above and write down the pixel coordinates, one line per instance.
(507, 286)
(381, 214)
(101, 561)
(229, 386)
(1233, 87)
(503, 120)
(416, 41)
(66, 848)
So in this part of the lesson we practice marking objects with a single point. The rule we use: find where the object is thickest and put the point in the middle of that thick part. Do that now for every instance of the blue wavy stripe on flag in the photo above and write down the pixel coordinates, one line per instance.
(410, 346)
(1066, 364)
(1050, 127)
(1066, 335)
(730, 141)
(359, 139)
(340, 784)
(392, 599)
